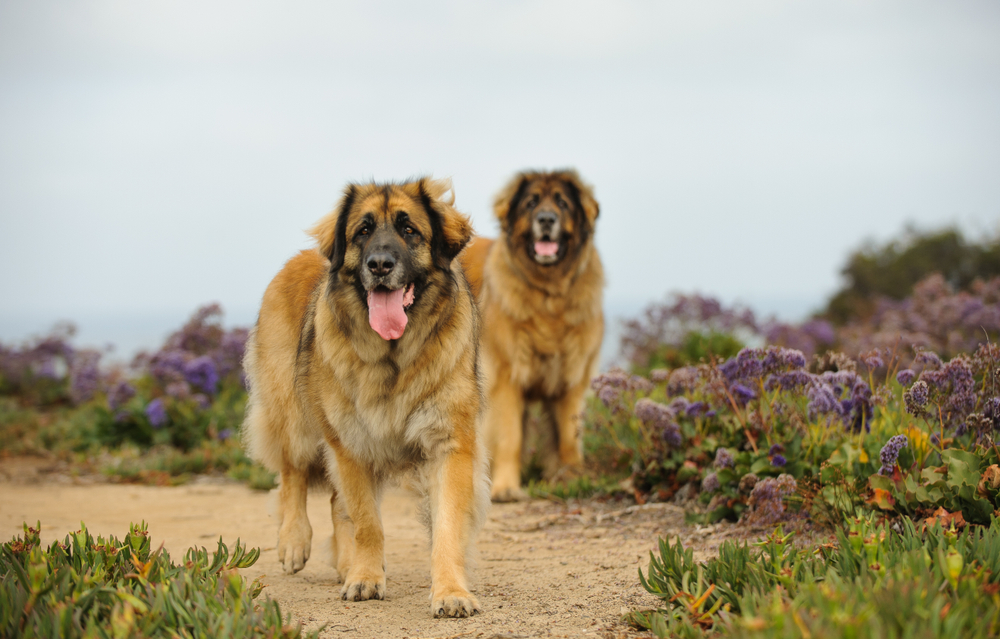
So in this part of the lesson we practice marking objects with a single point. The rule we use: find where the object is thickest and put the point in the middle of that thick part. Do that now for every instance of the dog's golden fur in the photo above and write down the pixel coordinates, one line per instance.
(330, 399)
(543, 322)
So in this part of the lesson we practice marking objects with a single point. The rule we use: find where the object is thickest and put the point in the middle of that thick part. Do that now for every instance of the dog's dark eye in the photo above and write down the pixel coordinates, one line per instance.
(409, 230)
(561, 202)
(532, 201)
(364, 230)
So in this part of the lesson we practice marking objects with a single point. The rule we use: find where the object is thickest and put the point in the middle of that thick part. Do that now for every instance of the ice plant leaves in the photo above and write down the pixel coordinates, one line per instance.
(84, 587)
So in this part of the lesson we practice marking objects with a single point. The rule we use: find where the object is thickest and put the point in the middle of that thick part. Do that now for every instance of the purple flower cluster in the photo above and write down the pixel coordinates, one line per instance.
(201, 373)
(156, 412)
(933, 317)
(197, 358)
(119, 394)
(844, 395)
(751, 365)
(916, 398)
(84, 376)
(723, 458)
(956, 382)
(710, 483)
(766, 504)
(48, 362)
(890, 453)
(660, 417)
(609, 386)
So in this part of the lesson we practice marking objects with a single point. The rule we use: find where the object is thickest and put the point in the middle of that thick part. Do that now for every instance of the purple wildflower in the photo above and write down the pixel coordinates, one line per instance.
(608, 395)
(119, 394)
(766, 505)
(200, 373)
(672, 434)
(168, 366)
(793, 358)
(156, 412)
(723, 458)
(616, 378)
(652, 412)
(872, 359)
(789, 380)
(905, 377)
(929, 359)
(776, 449)
(695, 408)
(742, 394)
(890, 453)
(710, 483)
(679, 406)
(916, 397)
(659, 375)
(778, 461)
(84, 376)
(225, 434)
(822, 400)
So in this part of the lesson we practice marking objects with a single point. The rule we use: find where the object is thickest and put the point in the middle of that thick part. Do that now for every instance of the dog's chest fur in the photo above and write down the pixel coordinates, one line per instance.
(385, 408)
(546, 330)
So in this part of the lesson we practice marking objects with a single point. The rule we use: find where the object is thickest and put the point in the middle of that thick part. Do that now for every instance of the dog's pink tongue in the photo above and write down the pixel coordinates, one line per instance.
(385, 313)
(546, 249)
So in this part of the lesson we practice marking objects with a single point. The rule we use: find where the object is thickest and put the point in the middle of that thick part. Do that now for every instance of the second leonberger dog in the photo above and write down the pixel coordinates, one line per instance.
(539, 288)
(364, 364)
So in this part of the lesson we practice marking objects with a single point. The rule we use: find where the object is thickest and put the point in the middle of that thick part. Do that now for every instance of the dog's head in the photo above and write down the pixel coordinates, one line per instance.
(387, 242)
(546, 217)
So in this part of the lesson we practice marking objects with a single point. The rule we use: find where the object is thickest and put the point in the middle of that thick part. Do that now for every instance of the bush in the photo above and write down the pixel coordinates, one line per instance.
(842, 432)
(893, 269)
(87, 587)
(930, 582)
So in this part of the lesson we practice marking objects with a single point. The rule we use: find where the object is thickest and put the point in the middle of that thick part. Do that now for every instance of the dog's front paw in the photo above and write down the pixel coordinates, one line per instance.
(294, 545)
(360, 587)
(513, 493)
(454, 604)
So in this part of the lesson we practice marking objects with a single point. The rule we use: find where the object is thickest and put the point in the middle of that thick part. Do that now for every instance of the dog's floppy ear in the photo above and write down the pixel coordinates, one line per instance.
(508, 198)
(451, 229)
(583, 193)
(331, 231)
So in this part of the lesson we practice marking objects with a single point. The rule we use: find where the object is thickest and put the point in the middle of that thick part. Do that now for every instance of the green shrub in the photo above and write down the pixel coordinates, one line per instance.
(893, 268)
(87, 587)
(694, 347)
(872, 583)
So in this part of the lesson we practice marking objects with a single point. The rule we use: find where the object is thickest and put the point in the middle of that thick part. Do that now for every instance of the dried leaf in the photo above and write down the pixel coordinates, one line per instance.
(989, 482)
(882, 498)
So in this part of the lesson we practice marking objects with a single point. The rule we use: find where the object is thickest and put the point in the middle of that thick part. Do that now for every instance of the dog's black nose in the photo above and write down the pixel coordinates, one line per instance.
(381, 263)
(547, 219)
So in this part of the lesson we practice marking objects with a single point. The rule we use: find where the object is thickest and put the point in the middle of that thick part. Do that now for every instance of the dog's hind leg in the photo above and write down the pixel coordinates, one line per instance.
(295, 533)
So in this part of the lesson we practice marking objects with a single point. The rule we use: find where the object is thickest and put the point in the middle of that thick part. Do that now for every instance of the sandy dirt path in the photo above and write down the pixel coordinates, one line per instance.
(544, 569)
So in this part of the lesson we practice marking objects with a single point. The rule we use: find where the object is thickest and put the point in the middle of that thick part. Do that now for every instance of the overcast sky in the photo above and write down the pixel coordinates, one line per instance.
(155, 156)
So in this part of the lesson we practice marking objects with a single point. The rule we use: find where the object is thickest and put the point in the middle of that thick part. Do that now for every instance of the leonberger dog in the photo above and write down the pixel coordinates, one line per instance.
(539, 288)
(363, 365)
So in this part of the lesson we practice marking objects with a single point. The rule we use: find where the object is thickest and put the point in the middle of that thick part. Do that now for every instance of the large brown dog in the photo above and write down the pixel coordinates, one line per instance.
(539, 288)
(364, 364)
